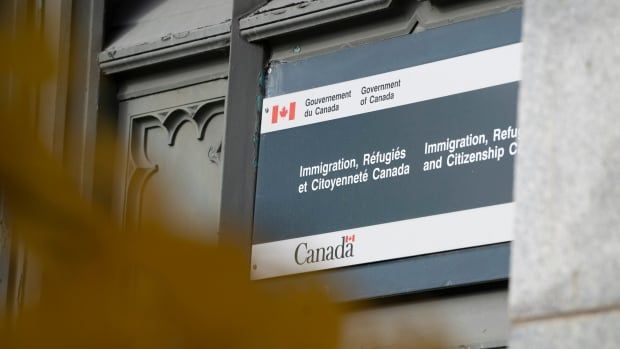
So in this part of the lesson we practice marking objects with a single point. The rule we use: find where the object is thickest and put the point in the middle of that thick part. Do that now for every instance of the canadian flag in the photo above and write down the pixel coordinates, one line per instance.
(349, 238)
(283, 112)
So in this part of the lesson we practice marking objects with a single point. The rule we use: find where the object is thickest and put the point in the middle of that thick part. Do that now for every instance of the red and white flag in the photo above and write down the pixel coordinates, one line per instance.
(284, 112)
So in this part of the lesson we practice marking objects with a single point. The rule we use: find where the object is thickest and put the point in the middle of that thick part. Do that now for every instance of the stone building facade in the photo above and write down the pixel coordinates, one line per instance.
(180, 81)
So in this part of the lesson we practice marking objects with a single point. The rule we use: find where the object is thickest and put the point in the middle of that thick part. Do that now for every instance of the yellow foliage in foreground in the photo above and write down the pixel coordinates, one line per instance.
(104, 287)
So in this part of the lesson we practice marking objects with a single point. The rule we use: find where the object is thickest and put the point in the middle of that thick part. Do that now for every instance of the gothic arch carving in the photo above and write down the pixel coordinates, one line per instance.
(141, 167)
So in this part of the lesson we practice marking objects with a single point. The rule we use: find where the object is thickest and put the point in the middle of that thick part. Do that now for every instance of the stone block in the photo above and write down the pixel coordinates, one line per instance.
(566, 253)
(596, 330)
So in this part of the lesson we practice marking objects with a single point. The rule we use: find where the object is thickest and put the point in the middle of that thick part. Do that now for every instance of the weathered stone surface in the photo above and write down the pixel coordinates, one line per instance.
(599, 330)
(566, 253)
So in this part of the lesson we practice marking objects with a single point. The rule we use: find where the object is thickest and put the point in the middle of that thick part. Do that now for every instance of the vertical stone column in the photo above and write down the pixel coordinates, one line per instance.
(565, 285)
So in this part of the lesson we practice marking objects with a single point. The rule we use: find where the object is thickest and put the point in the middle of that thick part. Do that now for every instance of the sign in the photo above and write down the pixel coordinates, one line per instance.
(373, 165)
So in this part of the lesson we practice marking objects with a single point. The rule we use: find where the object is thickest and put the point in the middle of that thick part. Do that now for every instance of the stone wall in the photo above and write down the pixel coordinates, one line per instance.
(564, 291)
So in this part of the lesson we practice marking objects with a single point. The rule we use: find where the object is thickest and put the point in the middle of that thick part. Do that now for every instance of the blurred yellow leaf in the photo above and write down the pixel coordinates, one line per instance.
(109, 288)
(105, 287)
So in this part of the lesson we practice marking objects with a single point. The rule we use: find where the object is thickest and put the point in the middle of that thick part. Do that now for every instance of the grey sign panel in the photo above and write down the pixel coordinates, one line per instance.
(284, 214)
(392, 158)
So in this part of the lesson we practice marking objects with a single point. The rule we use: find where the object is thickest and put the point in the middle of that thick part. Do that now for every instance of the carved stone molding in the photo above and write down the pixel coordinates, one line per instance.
(187, 175)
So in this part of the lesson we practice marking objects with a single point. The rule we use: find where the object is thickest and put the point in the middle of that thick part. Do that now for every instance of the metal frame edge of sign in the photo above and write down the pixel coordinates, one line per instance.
(467, 72)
